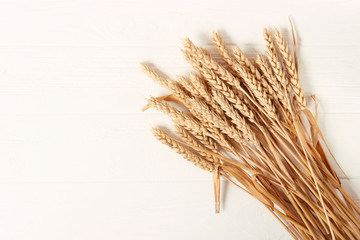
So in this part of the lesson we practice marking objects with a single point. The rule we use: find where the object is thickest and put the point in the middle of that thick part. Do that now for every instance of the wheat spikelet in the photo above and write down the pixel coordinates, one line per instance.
(181, 132)
(201, 87)
(206, 141)
(185, 83)
(150, 72)
(290, 68)
(180, 149)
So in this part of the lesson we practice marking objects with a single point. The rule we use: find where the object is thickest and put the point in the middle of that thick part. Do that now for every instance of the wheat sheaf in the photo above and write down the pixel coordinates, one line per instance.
(246, 120)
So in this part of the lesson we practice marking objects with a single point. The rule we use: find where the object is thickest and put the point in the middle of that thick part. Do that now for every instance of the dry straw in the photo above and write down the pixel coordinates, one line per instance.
(256, 111)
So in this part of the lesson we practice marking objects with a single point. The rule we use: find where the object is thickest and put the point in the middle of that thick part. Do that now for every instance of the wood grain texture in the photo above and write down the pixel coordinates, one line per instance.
(77, 159)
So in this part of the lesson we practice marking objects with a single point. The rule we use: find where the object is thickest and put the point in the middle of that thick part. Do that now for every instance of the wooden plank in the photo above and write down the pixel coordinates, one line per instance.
(132, 23)
(107, 80)
(136, 210)
(118, 66)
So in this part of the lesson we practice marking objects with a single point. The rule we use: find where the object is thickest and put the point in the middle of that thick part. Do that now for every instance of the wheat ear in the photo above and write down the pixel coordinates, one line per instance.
(223, 51)
(167, 83)
(275, 62)
(189, 139)
(271, 78)
(290, 68)
(183, 151)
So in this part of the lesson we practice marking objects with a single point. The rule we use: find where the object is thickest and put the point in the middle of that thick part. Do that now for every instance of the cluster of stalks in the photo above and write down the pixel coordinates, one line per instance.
(246, 120)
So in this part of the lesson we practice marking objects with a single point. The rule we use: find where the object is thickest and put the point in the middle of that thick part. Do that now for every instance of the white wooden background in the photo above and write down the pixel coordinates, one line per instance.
(77, 160)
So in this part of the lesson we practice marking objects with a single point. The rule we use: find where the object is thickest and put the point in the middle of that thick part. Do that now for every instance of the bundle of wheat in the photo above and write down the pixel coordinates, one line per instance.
(246, 120)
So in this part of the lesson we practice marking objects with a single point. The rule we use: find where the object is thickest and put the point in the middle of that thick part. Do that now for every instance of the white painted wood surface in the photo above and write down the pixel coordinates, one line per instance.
(76, 158)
